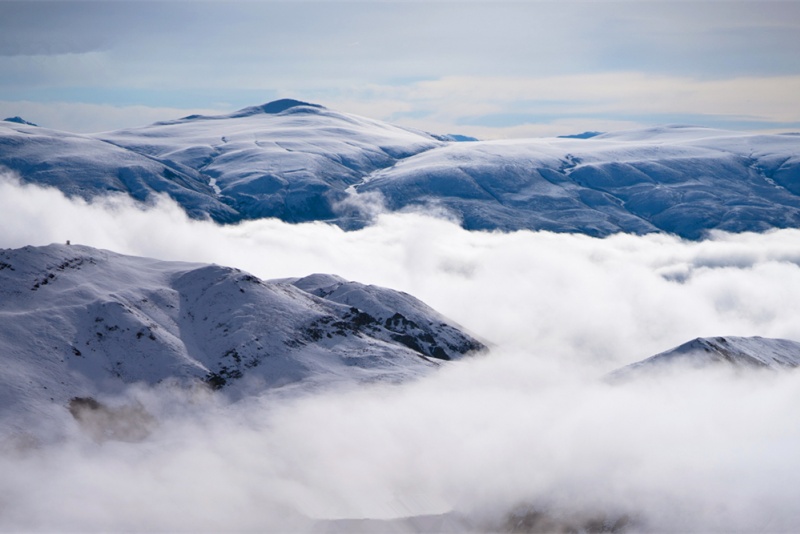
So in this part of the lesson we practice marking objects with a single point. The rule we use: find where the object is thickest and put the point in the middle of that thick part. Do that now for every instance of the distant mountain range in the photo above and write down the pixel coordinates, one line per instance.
(302, 162)
(78, 322)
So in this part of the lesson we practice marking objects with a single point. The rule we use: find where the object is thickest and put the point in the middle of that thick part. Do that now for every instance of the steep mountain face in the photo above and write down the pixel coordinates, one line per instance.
(741, 352)
(302, 162)
(77, 322)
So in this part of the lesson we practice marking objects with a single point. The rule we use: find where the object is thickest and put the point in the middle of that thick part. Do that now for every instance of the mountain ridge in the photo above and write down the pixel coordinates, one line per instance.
(302, 162)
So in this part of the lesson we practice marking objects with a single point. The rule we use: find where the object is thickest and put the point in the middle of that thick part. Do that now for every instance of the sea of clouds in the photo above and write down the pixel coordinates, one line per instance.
(530, 425)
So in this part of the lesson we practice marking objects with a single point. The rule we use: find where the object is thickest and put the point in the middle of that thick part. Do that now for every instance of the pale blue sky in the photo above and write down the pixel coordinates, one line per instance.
(490, 69)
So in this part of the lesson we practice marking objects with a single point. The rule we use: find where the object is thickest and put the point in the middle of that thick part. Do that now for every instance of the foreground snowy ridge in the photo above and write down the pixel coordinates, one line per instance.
(78, 322)
(739, 352)
(302, 162)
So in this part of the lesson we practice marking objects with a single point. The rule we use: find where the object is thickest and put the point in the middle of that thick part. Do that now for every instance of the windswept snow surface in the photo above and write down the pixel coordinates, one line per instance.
(81, 322)
(302, 162)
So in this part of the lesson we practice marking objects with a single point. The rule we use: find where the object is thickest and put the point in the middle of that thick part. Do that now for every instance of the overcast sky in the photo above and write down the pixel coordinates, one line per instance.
(490, 69)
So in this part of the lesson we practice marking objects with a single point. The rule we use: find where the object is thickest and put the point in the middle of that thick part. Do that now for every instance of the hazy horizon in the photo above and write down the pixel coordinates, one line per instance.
(487, 69)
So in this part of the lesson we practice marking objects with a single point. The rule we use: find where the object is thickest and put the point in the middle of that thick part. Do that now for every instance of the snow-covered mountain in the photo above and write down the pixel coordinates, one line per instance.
(302, 162)
(741, 352)
(675, 179)
(78, 322)
(286, 159)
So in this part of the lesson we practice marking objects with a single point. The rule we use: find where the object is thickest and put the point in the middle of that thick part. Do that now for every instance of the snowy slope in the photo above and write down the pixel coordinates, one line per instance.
(81, 166)
(742, 352)
(78, 322)
(679, 180)
(302, 162)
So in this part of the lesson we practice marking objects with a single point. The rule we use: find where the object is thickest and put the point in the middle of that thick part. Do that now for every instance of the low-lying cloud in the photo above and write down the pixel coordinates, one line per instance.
(530, 424)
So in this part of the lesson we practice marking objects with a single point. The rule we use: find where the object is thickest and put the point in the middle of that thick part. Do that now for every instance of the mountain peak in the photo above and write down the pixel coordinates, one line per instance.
(19, 120)
(275, 107)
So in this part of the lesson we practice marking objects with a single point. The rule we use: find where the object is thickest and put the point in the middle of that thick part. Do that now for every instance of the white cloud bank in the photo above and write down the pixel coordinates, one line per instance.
(527, 424)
